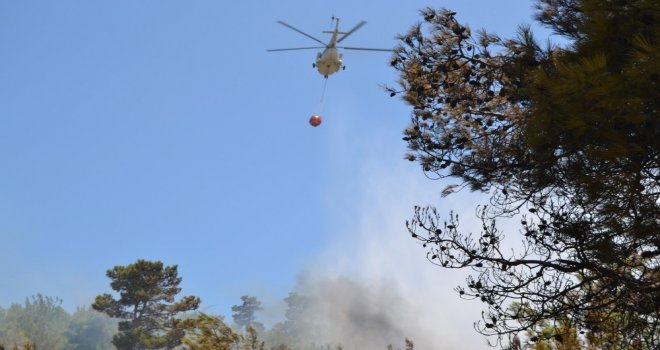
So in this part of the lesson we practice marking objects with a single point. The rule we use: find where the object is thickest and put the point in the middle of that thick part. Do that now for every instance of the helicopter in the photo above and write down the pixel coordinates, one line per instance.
(329, 61)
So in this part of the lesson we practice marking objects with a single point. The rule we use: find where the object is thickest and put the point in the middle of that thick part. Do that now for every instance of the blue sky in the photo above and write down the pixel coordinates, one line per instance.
(163, 130)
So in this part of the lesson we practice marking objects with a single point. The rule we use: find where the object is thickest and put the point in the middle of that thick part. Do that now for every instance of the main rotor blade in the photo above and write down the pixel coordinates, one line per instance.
(358, 26)
(298, 48)
(301, 32)
(362, 48)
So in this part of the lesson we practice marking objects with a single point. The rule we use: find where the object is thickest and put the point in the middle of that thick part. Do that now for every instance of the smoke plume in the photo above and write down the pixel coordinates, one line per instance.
(374, 287)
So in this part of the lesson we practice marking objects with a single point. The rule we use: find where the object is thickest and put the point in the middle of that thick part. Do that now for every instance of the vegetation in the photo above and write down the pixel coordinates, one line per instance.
(89, 329)
(564, 139)
(146, 316)
(43, 324)
(208, 332)
(146, 306)
(244, 314)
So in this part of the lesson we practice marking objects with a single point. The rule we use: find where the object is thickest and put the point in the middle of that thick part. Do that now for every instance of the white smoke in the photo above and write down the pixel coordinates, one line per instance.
(374, 286)
(352, 314)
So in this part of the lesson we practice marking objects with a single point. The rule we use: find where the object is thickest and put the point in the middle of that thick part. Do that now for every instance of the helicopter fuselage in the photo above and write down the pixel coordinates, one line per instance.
(329, 61)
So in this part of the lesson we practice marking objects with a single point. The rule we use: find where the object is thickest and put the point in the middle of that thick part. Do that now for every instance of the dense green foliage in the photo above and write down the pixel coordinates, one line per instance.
(567, 139)
(208, 332)
(41, 322)
(146, 306)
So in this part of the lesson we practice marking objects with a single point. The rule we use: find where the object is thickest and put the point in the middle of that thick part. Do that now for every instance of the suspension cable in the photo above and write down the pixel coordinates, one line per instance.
(320, 106)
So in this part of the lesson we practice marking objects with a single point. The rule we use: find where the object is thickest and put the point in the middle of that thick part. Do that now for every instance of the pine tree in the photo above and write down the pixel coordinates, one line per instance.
(146, 305)
(244, 314)
(207, 332)
(566, 138)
